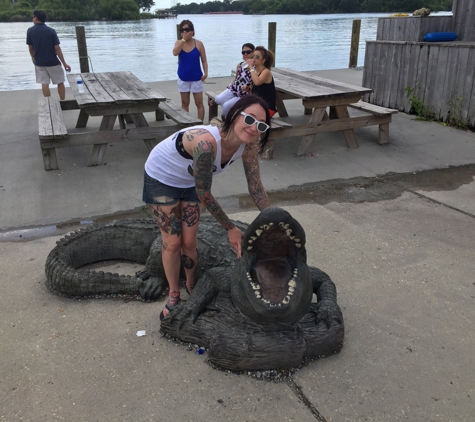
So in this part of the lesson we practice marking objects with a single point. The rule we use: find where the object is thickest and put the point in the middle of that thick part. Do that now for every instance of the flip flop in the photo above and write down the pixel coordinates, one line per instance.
(169, 309)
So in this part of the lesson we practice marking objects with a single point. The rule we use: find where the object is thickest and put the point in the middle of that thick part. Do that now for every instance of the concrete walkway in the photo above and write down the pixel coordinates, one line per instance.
(398, 246)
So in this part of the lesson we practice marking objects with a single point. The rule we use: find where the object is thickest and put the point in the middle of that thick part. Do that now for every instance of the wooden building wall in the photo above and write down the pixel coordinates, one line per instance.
(464, 19)
(412, 28)
(442, 76)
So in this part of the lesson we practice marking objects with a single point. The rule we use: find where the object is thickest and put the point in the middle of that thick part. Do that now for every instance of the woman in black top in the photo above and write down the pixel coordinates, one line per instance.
(262, 77)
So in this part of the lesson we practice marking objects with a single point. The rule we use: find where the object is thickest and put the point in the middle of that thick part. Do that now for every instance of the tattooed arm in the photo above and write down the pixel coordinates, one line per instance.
(203, 159)
(254, 182)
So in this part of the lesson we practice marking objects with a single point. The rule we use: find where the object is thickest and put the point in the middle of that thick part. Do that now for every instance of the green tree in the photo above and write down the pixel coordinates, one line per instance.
(118, 9)
(349, 6)
(145, 4)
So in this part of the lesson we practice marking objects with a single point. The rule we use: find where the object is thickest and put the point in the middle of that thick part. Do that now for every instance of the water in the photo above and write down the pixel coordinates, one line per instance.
(304, 42)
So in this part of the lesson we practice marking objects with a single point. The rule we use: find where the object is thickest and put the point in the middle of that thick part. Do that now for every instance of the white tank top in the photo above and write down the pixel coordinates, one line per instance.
(170, 164)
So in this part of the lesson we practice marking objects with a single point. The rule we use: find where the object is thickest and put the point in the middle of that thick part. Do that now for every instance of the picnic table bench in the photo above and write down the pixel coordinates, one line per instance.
(176, 113)
(112, 96)
(327, 102)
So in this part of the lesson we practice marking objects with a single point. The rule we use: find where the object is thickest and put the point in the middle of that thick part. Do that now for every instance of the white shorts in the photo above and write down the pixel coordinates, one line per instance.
(193, 86)
(46, 73)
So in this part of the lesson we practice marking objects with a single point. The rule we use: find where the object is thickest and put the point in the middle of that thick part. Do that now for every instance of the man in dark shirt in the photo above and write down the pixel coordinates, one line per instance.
(43, 43)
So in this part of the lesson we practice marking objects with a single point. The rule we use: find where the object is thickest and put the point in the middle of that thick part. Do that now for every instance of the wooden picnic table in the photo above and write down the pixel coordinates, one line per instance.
(113, 95)
(317, 94)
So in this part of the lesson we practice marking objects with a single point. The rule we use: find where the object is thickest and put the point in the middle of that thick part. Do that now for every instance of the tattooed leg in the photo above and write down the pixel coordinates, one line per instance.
(190, 220)
(168, 218)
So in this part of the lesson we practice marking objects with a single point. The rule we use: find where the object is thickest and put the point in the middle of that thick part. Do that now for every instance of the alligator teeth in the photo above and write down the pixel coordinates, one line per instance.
(255, 286)
(286, 300)
(265, 227)
(296, 240)
(292, 283)
(298, 245)
(259, 232)
(291, 237)
(296, 271)
(266, 300)
(248, 276)
(288, 232)
(291, 290)
(249, 248)
(258, 294)
(271, 224)
(253, 238)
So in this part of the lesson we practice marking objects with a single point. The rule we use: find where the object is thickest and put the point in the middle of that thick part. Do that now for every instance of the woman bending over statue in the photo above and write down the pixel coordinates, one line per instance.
(178, 177)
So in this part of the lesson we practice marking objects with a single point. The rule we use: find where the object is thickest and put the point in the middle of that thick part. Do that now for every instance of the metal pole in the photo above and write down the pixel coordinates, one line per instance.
(355, 43)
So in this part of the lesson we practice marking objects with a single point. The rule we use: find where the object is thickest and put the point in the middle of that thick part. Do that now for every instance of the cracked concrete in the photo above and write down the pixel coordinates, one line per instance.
(392, 225)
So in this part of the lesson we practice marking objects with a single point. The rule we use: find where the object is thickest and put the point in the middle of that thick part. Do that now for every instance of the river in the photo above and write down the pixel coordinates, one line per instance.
(304, 42)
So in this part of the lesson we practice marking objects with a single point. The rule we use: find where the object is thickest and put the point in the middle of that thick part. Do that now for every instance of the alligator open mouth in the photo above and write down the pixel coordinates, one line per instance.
(273, 249)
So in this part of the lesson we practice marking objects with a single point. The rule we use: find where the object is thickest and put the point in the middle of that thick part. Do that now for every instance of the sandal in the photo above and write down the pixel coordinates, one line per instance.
(169, 308)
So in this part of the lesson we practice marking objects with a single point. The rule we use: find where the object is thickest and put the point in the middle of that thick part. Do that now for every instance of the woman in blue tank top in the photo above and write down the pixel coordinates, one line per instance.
(190, 52)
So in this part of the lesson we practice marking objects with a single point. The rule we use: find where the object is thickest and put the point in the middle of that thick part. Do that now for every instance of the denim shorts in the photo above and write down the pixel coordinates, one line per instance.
(157, 193)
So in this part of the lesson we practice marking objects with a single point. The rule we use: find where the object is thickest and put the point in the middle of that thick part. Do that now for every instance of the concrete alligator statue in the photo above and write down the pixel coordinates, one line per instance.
(253, 313)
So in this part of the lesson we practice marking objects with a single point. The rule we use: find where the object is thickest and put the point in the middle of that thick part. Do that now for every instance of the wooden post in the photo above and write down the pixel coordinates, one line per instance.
(82, 49)
(355, 42)
(178, 35)
(272, 37)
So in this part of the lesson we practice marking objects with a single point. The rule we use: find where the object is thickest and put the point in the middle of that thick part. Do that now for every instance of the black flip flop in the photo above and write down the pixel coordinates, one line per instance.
(169, 309)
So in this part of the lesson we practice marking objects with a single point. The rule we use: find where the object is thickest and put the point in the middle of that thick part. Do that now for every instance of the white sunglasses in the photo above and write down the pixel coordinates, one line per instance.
(250, 120)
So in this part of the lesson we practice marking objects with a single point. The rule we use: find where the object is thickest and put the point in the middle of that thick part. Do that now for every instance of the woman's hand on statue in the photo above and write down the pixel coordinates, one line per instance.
(235, 238)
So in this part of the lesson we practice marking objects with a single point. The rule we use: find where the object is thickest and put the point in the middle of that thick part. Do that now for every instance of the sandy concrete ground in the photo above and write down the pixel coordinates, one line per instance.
(402, 260)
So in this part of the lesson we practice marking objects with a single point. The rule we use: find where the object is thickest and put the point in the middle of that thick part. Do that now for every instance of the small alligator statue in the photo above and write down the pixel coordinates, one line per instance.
(253, 313)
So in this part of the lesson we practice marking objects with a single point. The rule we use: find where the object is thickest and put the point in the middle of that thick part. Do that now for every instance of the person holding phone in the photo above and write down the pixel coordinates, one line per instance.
(190, 52)
(241, 84)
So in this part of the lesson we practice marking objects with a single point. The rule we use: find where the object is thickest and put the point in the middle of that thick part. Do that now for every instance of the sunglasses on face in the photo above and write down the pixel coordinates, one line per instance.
(256, 56)
(185, 29)
(246, 52)
(250, 120)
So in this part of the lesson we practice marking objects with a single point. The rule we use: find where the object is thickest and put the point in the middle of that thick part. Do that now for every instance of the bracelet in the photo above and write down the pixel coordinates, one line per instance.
(183, 40)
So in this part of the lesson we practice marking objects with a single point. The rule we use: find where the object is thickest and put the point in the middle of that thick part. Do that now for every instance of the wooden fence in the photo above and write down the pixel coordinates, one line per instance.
(441, 75)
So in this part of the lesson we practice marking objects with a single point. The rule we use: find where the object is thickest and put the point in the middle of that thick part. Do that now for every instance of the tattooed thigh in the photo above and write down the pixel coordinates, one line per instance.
(191, 213)
(168, 218)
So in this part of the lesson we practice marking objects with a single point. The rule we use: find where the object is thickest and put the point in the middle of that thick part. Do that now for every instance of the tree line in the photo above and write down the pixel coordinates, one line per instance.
(310, 7)
(86, 10)
(73, 10)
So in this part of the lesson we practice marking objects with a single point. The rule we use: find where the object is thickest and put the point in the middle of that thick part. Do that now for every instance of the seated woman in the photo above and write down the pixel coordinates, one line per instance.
(241, 84)
(262, 79)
